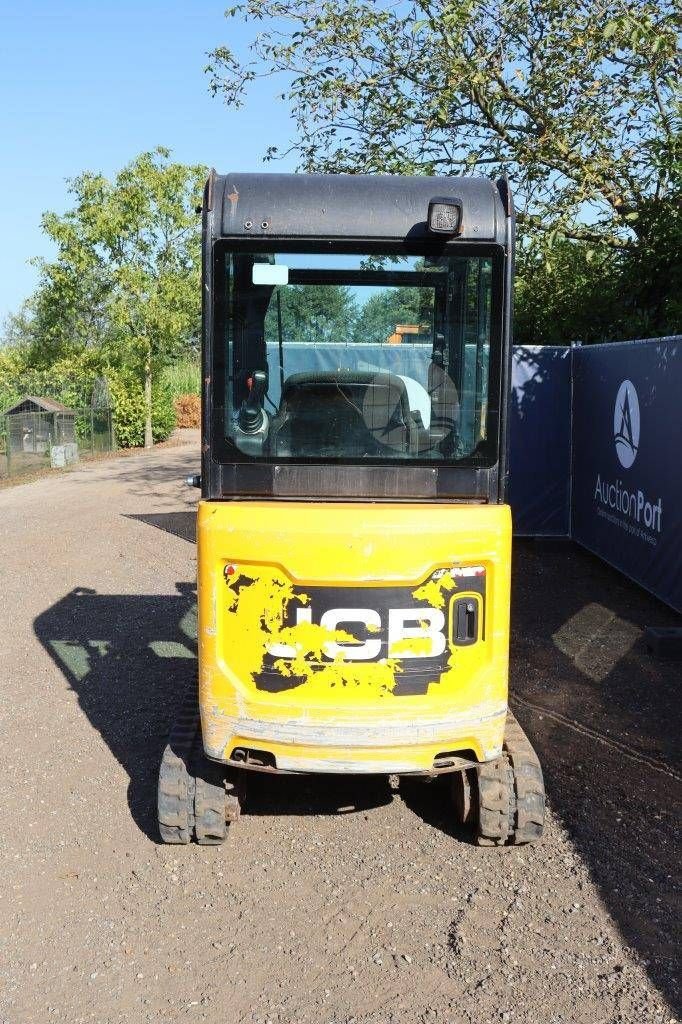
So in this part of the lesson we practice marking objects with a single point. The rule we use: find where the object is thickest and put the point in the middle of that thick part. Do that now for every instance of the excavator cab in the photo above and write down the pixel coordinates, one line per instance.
(353, 537)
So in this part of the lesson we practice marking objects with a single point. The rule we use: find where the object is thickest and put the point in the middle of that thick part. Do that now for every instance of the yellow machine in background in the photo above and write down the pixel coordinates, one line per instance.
(353, 540)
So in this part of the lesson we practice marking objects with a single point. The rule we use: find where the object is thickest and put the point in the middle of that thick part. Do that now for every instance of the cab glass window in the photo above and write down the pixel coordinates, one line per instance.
(356, 357)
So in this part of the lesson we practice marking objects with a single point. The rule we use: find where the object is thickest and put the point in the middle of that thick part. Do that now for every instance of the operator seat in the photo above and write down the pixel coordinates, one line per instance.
(343, 414)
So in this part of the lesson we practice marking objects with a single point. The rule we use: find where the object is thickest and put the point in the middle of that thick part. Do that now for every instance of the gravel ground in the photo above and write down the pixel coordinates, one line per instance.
(334, 901)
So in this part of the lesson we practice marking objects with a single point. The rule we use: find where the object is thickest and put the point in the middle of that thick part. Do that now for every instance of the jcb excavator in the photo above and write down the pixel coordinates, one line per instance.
(353, 537)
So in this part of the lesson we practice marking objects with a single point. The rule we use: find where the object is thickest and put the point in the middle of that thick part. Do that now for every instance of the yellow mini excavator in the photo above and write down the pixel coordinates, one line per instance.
(353, 537)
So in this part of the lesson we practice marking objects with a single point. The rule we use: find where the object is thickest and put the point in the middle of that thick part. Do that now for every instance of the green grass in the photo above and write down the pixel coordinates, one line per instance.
(183, 377)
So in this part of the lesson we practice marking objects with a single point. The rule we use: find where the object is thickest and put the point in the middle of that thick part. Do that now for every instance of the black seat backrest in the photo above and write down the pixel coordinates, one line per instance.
(341, 414)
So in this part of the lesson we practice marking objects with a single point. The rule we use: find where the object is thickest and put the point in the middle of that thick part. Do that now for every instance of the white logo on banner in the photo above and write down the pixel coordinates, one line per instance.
(626, 424)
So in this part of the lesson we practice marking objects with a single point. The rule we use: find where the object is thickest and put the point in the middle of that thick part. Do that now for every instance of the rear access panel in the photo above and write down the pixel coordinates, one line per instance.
(395, 627)
(353, 637)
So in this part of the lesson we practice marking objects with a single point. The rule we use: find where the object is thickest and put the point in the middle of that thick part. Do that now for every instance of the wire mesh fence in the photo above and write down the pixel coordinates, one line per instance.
(33, 440)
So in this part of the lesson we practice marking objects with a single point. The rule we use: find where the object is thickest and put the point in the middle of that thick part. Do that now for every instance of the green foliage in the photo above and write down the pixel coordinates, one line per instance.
(70, 380)
(568, 290)
(122, 297)
(129, 410)
(564, 293)
(312, 313)
(127, 273)
(12, 368)
(651, 280)
(183, 377)
(579, 102)
(163, 412)
(127, 395)
(389, 307)
(133, 243)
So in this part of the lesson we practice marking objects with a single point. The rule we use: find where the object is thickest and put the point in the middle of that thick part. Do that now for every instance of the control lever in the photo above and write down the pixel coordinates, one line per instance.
(251, 412)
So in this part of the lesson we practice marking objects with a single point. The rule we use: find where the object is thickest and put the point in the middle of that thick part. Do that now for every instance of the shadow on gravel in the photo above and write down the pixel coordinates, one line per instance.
(432, 801)
(605, 719)
(315, 794)
(130, 659)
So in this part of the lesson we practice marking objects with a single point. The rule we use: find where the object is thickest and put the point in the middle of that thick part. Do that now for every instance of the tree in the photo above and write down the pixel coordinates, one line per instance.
(578, 100)
(67, 314)
(128, 264)
(315, 313)
(383, 311)
(571, 291)
(563, 294)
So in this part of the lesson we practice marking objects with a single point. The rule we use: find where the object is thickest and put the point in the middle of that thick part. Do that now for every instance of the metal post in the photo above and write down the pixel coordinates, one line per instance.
(7, 444)
(280, 345)
(480, 342)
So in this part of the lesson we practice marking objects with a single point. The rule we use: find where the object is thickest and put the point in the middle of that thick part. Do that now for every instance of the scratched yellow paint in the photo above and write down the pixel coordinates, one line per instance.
(416, 645)
(435, 591)
(277, 549)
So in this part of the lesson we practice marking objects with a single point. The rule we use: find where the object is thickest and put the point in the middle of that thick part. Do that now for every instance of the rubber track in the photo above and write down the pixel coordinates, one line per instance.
(210, 827)
(176, 784)
(511, 792)
(191, 791)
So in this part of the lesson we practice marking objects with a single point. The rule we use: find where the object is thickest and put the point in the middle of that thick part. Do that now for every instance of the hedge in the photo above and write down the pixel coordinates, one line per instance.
(71, 380)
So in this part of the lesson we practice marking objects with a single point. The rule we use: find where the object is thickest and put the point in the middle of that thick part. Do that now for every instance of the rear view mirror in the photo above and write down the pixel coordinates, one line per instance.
(269, 273)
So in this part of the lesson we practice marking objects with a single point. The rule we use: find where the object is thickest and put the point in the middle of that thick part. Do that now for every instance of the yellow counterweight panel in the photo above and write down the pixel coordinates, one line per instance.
(331, 711)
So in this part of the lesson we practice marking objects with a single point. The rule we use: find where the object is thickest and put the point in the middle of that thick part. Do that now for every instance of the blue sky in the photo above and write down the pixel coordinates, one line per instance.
(88, 85)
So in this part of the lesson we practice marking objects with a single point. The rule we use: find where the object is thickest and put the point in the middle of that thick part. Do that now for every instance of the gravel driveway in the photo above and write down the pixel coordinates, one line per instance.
(333, 901)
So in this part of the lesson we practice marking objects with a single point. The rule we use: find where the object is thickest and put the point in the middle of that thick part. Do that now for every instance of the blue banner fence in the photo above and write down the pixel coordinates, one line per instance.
(596, 454)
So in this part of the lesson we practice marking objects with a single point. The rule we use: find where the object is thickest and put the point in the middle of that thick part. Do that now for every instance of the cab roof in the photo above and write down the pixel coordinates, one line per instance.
(354, 206)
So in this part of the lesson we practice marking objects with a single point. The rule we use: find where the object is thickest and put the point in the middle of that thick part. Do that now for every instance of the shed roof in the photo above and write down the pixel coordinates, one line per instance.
(42, 404)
